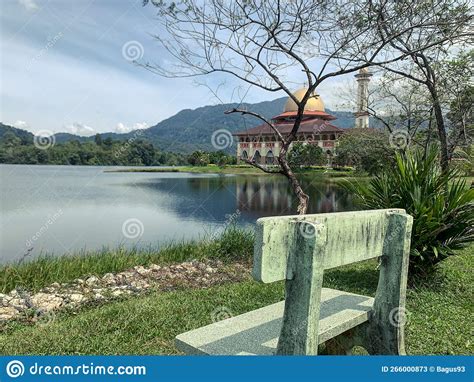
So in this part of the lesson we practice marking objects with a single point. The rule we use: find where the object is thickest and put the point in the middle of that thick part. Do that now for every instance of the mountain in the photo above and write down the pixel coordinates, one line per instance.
(24, 136)
(190, 130)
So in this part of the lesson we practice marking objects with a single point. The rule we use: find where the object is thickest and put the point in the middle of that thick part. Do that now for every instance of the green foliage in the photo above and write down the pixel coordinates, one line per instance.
(305, 155)
(222, 159)
(441, 204)
(199, 158)
(105, 152)
(203, 158)
(366, 149)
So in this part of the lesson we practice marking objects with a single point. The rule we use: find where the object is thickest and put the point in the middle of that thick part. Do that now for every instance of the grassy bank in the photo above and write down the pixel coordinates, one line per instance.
(439, 319)
(234, 244)
(236, 170)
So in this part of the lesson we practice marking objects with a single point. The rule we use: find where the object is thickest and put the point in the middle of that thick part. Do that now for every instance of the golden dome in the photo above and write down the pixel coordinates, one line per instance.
(314, 103)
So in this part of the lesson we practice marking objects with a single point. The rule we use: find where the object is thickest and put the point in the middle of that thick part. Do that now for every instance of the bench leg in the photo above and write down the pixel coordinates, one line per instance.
(385, 333)
(300, 328)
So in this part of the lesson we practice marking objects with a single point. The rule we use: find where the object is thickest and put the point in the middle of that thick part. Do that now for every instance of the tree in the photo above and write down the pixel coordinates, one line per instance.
(199, 158)
(98, 139)
(367, 150)
(425, 65)
(305, 155)
(257, 42)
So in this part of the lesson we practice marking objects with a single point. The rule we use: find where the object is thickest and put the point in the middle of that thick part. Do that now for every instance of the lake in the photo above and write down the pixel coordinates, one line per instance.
(63, 209)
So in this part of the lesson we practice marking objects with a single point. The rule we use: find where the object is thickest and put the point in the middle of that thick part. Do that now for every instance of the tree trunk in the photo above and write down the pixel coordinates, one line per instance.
(441, 130)
(295, 184)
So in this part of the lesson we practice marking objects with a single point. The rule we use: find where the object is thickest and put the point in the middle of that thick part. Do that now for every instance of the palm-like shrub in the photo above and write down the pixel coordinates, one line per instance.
(441, 204)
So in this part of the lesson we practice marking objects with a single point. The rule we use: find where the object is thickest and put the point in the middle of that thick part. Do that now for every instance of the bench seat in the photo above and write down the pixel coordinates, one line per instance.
(256, 332)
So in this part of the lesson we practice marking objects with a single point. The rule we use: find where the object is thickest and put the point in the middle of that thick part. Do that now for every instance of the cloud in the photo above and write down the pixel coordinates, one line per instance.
(122, 128)
(21, 125)
(80, 129)
(29, 5)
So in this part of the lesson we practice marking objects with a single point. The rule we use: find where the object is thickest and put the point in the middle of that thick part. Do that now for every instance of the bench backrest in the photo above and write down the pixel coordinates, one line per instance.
(347, 237)
(299, 248)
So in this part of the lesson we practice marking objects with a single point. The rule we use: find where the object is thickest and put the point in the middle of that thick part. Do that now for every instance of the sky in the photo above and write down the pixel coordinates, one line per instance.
(66, 67)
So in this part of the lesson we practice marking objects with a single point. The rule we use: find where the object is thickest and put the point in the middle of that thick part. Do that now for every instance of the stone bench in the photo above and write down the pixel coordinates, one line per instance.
(313, 319)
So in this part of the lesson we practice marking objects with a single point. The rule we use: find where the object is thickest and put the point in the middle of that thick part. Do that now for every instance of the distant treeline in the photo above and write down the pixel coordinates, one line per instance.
(105, 152)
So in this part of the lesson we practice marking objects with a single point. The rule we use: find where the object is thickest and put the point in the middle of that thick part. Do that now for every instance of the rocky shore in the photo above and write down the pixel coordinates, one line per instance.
(40, 307)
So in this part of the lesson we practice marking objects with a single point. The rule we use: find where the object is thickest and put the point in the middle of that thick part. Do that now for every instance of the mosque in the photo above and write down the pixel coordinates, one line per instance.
(262, 145)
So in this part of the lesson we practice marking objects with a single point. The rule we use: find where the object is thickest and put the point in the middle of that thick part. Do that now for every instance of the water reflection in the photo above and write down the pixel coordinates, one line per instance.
(171, 206)
(255, 196)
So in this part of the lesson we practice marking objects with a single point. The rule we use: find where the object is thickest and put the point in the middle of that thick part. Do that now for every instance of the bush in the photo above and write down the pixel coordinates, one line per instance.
(441, 205)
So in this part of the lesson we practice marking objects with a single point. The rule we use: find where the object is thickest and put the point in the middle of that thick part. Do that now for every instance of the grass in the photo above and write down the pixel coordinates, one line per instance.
(234, 244)
(440, 311)
(235, 169)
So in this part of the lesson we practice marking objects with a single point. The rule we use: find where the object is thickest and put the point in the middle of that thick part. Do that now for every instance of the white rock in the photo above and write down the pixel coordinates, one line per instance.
(142, 270)
(91, 281)
(16, 302)
(109, 279)
(46, 302)
(117, 293)
(154, 267)
(7, 313)
(77, 298)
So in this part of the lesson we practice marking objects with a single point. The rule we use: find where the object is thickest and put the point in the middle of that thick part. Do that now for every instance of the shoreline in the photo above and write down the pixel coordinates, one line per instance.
(236, 170)
(234, 244)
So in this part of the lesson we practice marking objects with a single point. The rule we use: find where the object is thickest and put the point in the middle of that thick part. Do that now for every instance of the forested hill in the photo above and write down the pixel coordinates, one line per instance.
(189, 130)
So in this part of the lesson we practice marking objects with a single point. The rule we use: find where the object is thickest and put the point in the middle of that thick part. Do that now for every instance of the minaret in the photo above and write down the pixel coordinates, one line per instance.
(362, 114)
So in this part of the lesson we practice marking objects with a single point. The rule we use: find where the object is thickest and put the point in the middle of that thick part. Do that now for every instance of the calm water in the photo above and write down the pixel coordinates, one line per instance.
(62, 209)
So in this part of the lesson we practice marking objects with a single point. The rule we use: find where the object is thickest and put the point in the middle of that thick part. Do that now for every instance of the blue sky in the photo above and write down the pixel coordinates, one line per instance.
(63, 69)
